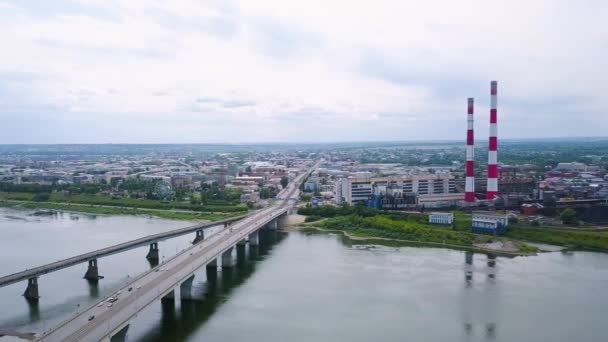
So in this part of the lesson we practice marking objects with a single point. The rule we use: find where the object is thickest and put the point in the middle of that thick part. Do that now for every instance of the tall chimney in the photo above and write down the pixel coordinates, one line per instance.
(492, 189)
(469, 186)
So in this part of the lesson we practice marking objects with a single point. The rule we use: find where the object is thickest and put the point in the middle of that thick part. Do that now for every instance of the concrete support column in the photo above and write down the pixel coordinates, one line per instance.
(273, 225)
(168, 298)
(241, 254)
(185, 288)
(212, 264)
(282, 220)
(121, 335)
(153, 252)
(31, 292)
(92, 271)
(200, 236)
(254, 238)
(227, 260)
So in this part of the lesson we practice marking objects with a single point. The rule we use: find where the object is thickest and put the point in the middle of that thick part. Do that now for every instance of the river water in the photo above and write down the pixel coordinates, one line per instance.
(313, 287)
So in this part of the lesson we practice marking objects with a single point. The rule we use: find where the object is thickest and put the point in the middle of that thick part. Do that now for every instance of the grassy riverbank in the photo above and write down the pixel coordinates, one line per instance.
(568, 238)
(107, 210)
(361, 221)
(412, 228)
(99, 200)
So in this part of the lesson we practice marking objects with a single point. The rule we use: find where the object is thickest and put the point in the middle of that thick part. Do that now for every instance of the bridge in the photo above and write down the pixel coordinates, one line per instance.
(92, 273)
(107, 318)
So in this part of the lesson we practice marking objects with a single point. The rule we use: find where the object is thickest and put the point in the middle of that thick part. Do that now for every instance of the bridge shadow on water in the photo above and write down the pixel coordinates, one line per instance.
(178, 324)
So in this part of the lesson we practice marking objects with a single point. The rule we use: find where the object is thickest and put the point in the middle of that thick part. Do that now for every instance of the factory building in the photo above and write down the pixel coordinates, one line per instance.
(443, 219)
(360, 190)
(484, 222)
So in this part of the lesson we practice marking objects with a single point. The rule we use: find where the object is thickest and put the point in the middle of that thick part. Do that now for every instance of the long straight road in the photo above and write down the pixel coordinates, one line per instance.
(150, 286)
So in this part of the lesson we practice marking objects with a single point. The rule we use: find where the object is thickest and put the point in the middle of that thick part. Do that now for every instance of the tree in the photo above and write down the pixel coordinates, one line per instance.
(568, 216)
(265, 193)
(41, 197)
(284, 181)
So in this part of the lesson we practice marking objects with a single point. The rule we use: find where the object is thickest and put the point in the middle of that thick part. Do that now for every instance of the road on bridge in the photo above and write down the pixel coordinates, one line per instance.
(109, 318)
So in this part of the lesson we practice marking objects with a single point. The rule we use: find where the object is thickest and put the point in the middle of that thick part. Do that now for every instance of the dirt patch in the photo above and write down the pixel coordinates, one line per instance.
(501, 246)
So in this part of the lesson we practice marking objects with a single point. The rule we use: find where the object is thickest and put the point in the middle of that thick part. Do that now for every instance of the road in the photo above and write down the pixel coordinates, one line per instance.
(161, 280)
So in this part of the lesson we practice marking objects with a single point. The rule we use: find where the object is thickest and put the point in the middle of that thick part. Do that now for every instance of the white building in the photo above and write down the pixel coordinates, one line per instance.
(489, 223)
(446, 219)
(359, 190)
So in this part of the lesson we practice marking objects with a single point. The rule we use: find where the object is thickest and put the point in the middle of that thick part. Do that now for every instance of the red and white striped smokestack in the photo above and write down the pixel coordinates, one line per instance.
(469, 185)
(492, 190)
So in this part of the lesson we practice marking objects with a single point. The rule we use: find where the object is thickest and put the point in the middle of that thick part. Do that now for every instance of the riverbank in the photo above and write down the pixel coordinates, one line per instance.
(109, 210)
(359, 237)
(571, 239)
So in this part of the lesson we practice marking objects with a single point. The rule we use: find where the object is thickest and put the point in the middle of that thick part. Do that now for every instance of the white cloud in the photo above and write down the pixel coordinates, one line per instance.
(298, 71)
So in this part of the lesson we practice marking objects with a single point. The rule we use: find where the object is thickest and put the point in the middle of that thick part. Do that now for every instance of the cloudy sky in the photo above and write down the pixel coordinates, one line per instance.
(104, 71)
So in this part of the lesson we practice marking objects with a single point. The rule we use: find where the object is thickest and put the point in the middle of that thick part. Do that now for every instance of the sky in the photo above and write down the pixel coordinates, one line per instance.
(108, 71)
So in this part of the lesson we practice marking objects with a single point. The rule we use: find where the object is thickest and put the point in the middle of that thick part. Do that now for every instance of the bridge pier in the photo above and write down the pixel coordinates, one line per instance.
(185, 288)
(200, 236)
(212, 264)
(121, 335)
(31, 292)
(273, 225)
(241, 253)
(168, 299)
(227, 260)
(92, 271)
(254, 238)
(153, 252)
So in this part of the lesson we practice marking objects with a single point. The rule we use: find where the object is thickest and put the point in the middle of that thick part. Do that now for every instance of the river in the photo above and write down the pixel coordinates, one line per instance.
(312, 287)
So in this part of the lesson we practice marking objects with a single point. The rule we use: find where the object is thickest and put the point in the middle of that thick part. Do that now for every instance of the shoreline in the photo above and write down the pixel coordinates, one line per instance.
(116, 211)
(413, 242)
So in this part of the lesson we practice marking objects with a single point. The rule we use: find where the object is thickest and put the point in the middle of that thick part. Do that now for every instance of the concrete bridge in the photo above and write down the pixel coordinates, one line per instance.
(103, 320)
(92, 273)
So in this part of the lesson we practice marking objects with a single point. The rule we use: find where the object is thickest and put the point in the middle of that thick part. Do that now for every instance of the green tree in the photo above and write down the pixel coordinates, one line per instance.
(265, 193)
(568, 216)
(284, 181)
(42, 197)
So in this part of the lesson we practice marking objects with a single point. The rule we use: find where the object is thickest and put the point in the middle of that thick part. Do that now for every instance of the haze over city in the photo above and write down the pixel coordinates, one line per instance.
(87, 71)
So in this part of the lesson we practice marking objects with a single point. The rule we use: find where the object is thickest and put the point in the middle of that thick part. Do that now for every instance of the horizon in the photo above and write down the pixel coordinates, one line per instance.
(90, 71)
(425, 141)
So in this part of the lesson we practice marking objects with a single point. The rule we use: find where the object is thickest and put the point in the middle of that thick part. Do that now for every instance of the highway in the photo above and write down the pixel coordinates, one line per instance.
(161, 280)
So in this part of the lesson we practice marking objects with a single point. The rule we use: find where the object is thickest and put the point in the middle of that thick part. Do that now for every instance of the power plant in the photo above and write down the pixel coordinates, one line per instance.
(469, 186)
(492, 188)
(492, 178)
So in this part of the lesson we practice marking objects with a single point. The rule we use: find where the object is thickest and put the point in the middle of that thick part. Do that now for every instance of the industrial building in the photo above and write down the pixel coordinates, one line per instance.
(483, 222)
(360, 190)
(443, 219)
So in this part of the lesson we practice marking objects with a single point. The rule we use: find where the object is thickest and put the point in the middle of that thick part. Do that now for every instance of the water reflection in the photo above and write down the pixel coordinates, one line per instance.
(485, 302)
(34, 310)
(93, 288)
(193, 313)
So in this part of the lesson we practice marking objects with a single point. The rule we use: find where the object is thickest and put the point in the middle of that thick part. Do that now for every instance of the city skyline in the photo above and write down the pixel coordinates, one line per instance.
(233, 72)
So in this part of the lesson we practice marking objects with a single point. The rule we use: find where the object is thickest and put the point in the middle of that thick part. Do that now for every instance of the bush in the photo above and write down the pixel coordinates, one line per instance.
(568, 216)
(41, 197)
(312, 218)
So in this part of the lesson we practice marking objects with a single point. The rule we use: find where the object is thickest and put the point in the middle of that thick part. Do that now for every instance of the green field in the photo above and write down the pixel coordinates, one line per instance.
(568, 238)
(125, 202)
